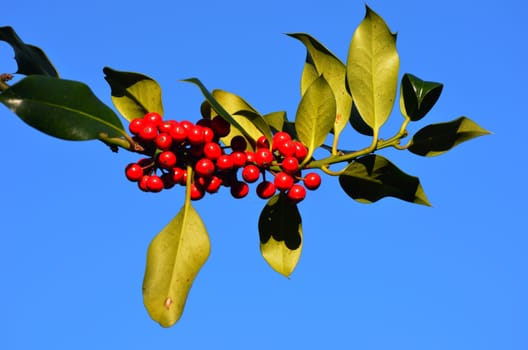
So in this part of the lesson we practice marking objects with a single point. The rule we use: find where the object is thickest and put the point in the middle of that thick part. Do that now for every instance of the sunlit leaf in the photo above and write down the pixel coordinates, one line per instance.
(315, 115)
(280, 230)
(276, 120)
(133, 94)
(372, 177)
(436, 139)
(174, 258)
(61, 108)
(321, 61)
(30, 59)
(417, 96)
(372, 69)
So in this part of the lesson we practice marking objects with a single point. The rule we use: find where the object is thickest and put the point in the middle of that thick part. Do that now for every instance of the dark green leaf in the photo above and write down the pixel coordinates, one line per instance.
(174, 258)
(359, 124)
(133, 94)
(436, 139)
(280, 231)
(417, 96)
(62, 108)
(372, 177)
(30, 59)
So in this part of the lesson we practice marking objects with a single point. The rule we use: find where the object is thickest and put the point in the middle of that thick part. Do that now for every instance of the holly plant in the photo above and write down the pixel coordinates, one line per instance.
(233, 147)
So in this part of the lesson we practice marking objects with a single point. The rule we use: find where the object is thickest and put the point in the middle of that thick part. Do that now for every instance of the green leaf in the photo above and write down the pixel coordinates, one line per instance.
(276, 120)
(30, 59)
(372, 70)
(61, 108)
(372, 177)
(436, 139)
(245, 115)
(174, 258)
(417, 96)
(359, 124)
(315, 115)
(218, 108)
(321, 61)
(133, 94)
(280, 231)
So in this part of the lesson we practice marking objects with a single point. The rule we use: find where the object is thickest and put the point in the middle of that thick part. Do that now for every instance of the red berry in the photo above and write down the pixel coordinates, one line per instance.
(312, 181)
(205, 167)
(266, 189)
(220, 126)
(179, 175)
(279, 138)
(250, 173)
(166, 126)
(239, 189)
(239, 159)
(195, 135)
(263, 157)
(154, 183)
(148, 132)
(166, 159)
(212, 150)
(283, 181)
(263, 142)
(136, 125)
(214, 184)
(286, 148)
(163, 141)
(197, 192)
(209, 135)
(143, 183)
(178, 133)
(134, 172)
(238, 143)
(300, 150)
(290, 165)
(296, 193)
(153, 118)
(186, 124)
(224, 162)
(250, 157)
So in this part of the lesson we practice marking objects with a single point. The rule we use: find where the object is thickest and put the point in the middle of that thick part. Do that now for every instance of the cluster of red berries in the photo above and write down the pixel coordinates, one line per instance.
(173, 146)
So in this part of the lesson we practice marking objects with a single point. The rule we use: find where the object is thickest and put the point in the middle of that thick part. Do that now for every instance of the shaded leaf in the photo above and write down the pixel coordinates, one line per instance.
(61, 108)
(133, 94)
(359, 124)
(436, 139)
(174, 258)
(315, 115)
(321, 61)
(280, 231)
(30, 59)
(372, 177)
(372, 69)
(417, 96)
(276, 120)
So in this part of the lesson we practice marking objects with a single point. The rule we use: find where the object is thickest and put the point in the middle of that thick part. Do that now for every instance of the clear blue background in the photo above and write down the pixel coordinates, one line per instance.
(392, 275)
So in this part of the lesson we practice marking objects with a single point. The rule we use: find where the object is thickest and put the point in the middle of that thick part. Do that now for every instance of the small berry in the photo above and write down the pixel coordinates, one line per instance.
(148, 132)
(143, 183)
(286, 148)
(163, 141)
(300, 150)
(168, 181)
(136, 125)
(153, 118)
(178, 133)
(283, 181)
(238, 143)
(220, 126)
(296, 193)
(214, 184)
(166, 126)
(204, 167)
(224, 162)
(196, 135)
(154, 183)
(187, 124)
(205, 123)
(263, 157)
(239, 189)
(266, 189)
(178, 175)
(312, 181)
(197, 192)
(134, 172)
(209, 135)
(250, 157)
(279, 138)
(239, 159)
(263, 142)
(250, 173)
(166, 159)
(212, 150)
(290, 165)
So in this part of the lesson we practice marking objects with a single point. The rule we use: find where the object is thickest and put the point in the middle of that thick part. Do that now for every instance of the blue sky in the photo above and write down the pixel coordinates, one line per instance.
(391, 275)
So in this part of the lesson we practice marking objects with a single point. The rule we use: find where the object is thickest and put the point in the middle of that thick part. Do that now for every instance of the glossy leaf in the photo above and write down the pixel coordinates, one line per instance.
(372, 70)
(30, 59)
(133, 94)
(372, 177)
(417, 96)
(315, 115)
(320, 61)
(250, 120)
(276, 120)
(61, 108)
(174, 258)
(280, 230)
(436, 139)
